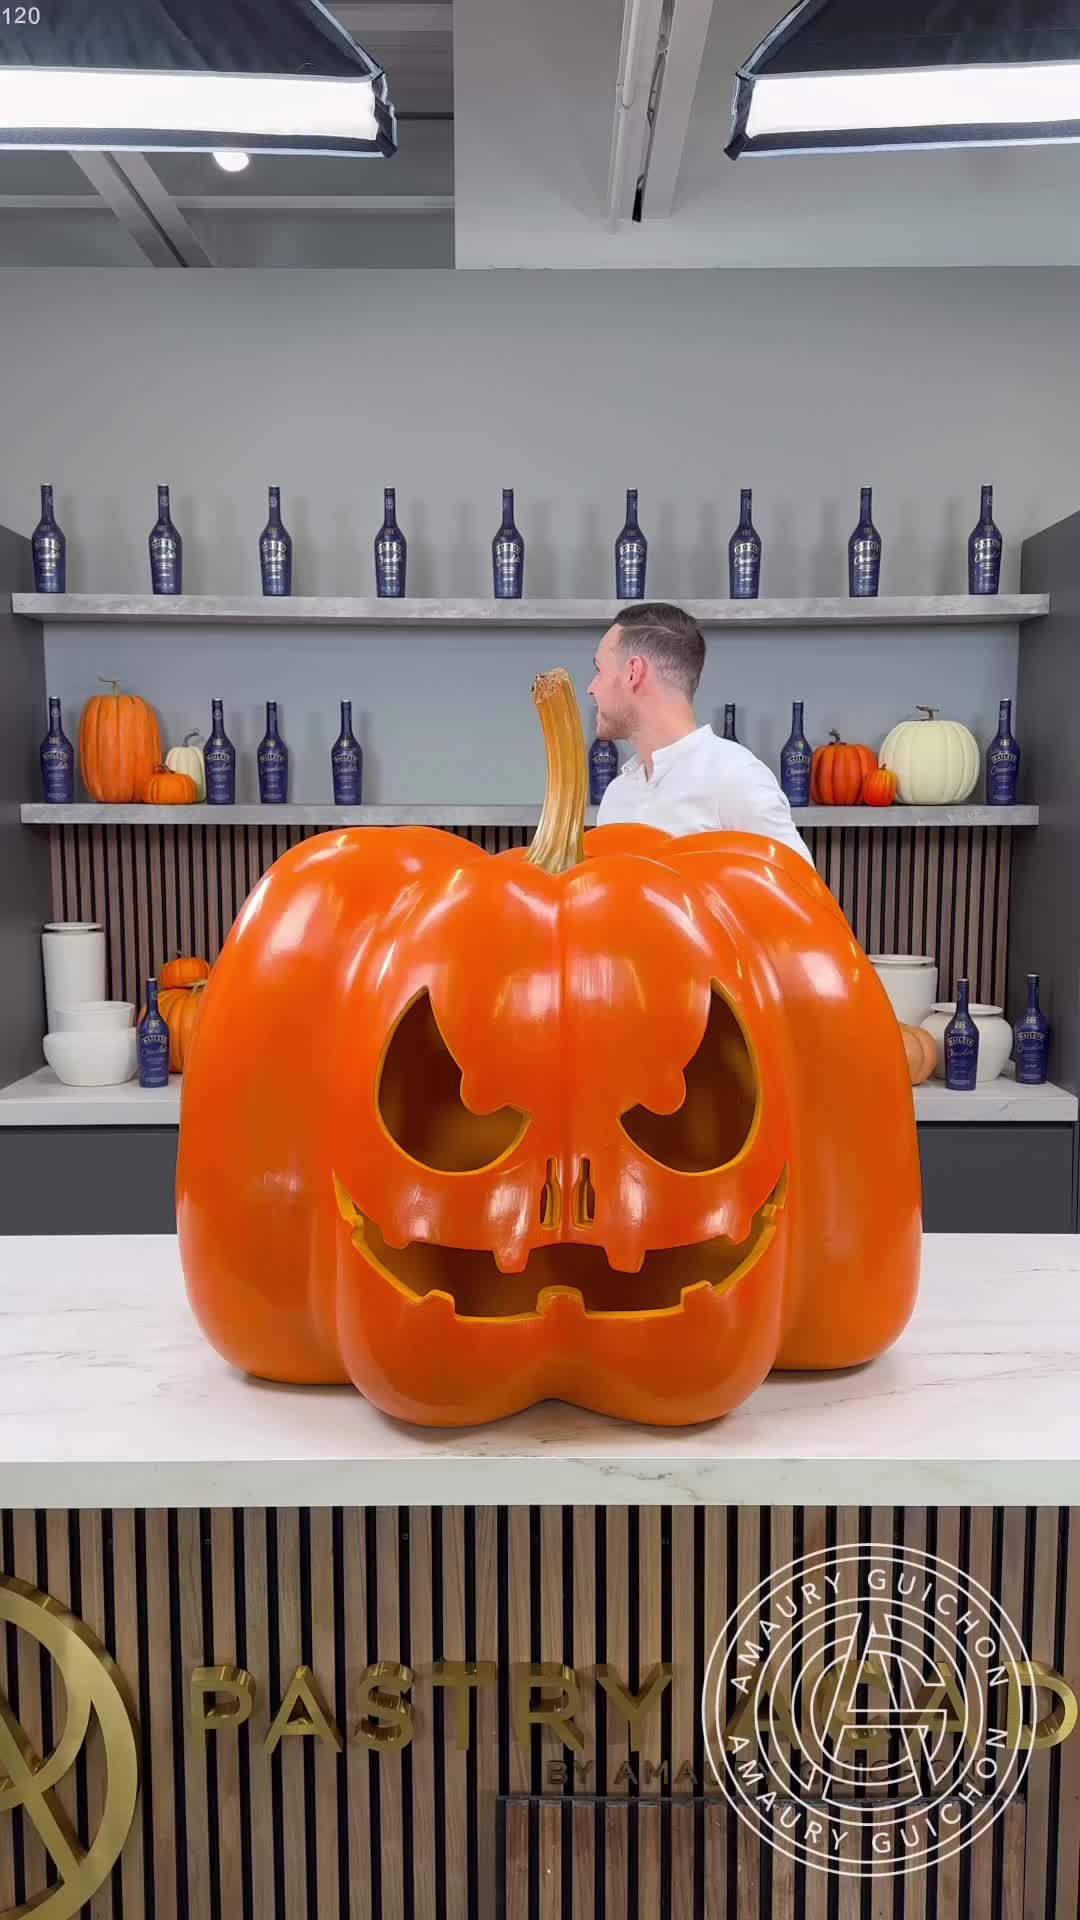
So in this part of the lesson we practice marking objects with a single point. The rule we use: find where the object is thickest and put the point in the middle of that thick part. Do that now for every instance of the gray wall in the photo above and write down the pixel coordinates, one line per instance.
(687, 384)
(25, 899)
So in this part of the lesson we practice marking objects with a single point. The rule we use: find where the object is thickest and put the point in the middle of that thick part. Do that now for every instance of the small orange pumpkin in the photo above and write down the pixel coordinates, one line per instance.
(921, 1050)
(837, 772)
(180, 1008)
(185, 971)
(167, 789)
(879, 788)
(119, 745)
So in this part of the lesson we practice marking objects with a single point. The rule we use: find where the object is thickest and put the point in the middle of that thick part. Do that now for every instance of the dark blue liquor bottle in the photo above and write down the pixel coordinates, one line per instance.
(273, 762)
(631, 554)
(864, 552)
(166, 549)
(744, 554)
(961, 1042)
(796, 756)
(347, 762)
(1002, 761)
(603, 766)
(152, 1042)
(391, 551)
(508, 553)
(984, 550)
(57, 757)
(275, 551)
(219, 758)
(729, 722)
(49, 550)
(1031, 1039)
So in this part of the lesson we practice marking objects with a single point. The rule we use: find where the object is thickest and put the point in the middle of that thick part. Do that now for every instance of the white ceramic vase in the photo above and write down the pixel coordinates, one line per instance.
(911, 982)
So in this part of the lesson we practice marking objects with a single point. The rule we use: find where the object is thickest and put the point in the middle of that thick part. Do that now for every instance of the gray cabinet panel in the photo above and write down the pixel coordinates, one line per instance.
(88, 1179)
(991, 1179)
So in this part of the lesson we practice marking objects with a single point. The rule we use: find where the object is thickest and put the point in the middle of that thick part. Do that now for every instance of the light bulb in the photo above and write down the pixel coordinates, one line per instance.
(231, 160)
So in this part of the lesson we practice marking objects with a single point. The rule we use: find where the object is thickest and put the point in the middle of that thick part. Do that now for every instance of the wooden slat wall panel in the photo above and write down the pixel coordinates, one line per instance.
(160, 890)
(433, 1833)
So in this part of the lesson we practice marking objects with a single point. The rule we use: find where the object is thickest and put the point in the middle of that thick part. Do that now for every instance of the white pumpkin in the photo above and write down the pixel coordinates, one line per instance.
(936, 762)
(189, 759)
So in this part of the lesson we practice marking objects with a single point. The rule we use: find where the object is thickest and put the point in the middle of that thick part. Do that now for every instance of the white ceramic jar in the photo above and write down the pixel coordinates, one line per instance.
(911, 982)
(995, 1038)
(73, 953)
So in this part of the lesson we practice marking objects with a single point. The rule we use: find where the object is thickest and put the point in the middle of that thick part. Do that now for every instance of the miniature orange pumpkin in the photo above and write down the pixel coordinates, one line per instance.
(879, 788)
(921, 1050)
(477, 1131)
(119, 745)
(185, 971)
(180, 1008)
(167, 789)
(837, 772)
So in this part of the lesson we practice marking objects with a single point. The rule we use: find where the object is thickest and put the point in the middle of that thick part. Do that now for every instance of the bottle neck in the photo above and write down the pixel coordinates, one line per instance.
(390, 506)
(988, 503)
(746, 500)
(54, 714)
(271, 718)
(151, 996)
(508, 507)
(346, 716)
(796, 716)
(631, 507)
(961, 996)
(46, 503)
(1033, 992)
(275, 506)
(1005, 716)
(866, 503)
(216, 711)
(163, 503)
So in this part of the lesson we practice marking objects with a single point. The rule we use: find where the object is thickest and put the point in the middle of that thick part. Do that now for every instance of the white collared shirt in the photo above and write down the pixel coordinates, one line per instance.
(700, 784)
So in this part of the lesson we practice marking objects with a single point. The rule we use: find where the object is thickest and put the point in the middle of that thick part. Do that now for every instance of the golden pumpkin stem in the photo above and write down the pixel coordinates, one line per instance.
(559, 842)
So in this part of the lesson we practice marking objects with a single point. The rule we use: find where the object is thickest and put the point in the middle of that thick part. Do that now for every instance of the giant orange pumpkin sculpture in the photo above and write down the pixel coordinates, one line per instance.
(623, 1120)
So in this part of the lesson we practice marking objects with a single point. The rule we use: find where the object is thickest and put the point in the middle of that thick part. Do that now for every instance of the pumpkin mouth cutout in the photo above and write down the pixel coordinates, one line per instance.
(470, 1282)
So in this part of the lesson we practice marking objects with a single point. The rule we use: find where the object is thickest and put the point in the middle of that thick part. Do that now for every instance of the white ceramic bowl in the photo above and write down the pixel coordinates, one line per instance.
(93, 1016)
(911, 981)
(92, 1059)
(995, 1038)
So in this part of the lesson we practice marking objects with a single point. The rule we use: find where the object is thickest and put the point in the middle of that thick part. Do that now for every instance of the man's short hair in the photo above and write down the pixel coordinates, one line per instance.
(668, 637)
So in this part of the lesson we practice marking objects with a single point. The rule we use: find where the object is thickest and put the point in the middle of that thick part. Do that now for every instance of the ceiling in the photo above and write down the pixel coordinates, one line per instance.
(507, 114)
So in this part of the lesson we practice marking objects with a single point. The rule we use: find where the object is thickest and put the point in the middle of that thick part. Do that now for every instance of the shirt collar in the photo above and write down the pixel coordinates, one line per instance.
(666, 757)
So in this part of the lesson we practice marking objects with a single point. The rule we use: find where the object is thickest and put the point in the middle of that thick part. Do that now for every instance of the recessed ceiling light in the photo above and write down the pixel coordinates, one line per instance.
(231, 160)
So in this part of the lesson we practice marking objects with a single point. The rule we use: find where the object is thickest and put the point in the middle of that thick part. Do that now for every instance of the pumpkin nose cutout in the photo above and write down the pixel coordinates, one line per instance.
(584, 1198)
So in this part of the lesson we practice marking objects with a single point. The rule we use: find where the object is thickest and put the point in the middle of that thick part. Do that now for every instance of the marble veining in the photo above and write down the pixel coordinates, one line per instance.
(110, 1395)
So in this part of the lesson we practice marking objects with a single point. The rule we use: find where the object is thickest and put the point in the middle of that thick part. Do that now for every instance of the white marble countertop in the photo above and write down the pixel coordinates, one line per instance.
(110, 1396)
(41, 1100)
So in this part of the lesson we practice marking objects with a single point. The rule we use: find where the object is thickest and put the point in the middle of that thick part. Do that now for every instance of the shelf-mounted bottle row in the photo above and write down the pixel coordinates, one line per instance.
(744, 552)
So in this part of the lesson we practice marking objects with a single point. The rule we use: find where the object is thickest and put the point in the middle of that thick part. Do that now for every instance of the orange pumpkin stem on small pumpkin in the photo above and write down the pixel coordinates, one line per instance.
(559, 841)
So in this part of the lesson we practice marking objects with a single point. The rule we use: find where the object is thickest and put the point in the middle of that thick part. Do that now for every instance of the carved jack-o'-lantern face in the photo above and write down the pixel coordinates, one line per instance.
(530, 1126)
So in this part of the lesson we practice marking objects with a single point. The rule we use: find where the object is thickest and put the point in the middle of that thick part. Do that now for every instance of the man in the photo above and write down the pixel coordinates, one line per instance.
(681, 777)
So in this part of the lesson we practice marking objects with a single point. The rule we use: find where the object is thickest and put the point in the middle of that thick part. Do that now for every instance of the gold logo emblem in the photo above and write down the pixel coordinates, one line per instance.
(93, 1688)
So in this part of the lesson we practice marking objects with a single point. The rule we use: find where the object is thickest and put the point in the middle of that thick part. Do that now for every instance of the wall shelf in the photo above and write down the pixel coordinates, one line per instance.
(190, 609)
(40, 813)
(41, 1100)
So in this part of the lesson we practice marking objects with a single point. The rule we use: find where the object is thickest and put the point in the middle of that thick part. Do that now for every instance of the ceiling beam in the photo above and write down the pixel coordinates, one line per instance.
(130, 187)
(638, 57)
(687, 31)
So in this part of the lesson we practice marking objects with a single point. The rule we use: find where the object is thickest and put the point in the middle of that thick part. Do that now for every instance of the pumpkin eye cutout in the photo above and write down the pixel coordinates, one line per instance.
(713, 1124)
(419, 1101)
